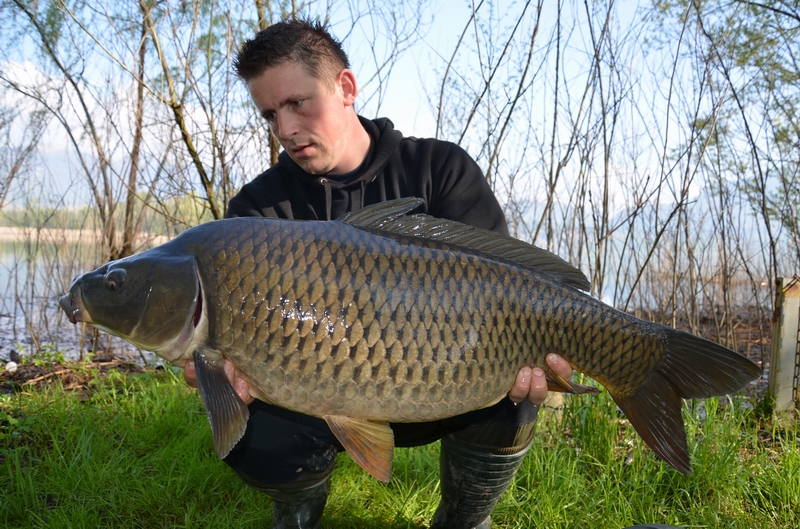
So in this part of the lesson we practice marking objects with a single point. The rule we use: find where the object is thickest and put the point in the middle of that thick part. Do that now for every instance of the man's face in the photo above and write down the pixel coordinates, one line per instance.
(307, 115)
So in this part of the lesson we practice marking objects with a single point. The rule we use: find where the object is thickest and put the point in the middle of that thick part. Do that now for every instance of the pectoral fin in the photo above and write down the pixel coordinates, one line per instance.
(226, 412)
(369, 443)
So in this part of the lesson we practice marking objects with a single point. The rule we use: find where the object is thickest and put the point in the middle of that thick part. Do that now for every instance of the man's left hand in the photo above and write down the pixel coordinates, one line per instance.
(531, 383)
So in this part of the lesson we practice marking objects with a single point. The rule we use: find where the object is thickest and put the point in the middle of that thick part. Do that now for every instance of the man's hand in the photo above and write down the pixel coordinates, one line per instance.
(531, 383)
(240, 385)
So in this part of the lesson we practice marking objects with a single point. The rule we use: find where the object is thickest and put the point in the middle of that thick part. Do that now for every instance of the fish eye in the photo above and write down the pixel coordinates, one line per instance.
(114, 278)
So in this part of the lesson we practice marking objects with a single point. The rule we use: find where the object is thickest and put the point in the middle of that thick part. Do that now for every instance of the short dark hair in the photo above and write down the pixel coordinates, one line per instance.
(293, 40)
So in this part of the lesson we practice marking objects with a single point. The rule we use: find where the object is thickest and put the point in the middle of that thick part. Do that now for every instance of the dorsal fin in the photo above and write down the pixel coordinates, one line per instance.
(372, 216)
(392, 217)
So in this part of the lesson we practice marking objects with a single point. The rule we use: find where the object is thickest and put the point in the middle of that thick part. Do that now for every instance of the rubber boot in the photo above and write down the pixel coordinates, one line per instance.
(472, 483)
(299, 504)
(299, 509)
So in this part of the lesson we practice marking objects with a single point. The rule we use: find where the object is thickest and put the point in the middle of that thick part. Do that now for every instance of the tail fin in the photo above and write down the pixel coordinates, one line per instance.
(693, 367)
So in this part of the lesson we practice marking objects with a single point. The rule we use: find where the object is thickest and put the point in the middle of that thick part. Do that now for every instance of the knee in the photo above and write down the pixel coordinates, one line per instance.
(277, 469)
(498, 437)
(281, 447)
(306, 479)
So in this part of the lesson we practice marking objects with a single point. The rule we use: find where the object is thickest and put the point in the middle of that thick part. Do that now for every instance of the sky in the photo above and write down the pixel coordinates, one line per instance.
(406, 102)
(413, 78)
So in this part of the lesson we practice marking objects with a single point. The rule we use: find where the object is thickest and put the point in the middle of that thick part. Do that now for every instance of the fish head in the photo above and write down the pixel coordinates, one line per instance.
(152, 300)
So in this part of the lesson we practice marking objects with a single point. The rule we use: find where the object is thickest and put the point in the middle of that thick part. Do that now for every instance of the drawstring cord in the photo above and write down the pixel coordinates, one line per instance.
(328, 197)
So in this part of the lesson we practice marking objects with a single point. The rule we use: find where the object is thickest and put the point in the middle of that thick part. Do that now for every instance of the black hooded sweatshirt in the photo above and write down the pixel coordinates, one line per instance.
(441, 173)
(453, 187)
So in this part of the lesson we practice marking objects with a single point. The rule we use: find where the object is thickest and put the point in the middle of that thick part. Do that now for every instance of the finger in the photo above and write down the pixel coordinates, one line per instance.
(240, 385)
(230, 371)
(521, 386)
(538, 391)
(242, 389)
(559, 366)
(189, 374)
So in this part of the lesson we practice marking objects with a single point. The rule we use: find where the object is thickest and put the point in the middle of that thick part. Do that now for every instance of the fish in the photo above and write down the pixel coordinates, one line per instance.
(384, 315)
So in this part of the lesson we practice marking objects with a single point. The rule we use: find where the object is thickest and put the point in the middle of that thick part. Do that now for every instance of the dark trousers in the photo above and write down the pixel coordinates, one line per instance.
(282, 447)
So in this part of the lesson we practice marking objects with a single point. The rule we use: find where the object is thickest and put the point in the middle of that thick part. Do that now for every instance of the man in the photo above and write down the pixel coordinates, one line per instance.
(333, 162)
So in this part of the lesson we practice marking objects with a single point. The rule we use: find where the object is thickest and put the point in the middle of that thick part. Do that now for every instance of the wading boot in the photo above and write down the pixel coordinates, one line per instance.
(472, 483)
(299, 509)
(299, 504)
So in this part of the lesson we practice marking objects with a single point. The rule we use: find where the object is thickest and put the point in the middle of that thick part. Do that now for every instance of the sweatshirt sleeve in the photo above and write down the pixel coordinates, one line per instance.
(241, 206)
(255, 199)
(461, 192)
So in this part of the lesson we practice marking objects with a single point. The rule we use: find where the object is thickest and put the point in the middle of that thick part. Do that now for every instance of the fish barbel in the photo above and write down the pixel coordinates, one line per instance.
(381, 317)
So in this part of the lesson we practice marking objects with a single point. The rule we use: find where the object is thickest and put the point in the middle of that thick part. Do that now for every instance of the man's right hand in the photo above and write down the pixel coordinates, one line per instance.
(240, 385)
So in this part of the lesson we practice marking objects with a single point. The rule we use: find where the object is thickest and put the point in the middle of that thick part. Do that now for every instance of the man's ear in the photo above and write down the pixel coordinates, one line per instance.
(347, 82)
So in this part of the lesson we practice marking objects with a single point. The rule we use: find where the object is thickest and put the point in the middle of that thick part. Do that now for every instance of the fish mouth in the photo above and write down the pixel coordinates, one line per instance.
(72, 304)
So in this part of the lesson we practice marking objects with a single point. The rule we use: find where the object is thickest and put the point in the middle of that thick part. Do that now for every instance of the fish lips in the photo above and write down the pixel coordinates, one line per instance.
(72, 304)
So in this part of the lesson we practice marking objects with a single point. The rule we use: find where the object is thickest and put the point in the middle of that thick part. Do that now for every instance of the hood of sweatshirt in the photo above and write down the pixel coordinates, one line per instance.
(341, 197)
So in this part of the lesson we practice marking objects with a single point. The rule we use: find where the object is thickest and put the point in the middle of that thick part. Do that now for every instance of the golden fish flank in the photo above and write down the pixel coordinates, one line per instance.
(382, 316)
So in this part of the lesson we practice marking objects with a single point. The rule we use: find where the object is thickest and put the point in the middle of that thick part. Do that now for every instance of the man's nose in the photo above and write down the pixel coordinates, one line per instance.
(286, 125)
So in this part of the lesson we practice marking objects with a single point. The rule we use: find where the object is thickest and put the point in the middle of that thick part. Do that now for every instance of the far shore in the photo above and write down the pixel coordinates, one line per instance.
(61, 235)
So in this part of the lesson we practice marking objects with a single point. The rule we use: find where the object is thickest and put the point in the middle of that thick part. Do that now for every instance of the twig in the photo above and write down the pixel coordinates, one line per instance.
(43, 377)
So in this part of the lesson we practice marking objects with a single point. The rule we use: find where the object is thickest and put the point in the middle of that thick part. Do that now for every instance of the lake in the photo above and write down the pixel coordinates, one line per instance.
(36, 268)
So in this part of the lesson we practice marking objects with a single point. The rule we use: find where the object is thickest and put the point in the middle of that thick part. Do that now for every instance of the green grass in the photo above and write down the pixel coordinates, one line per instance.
(135, 451)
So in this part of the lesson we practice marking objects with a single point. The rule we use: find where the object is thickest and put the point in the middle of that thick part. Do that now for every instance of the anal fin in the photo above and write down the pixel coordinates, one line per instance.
(369, 443)
(226, 412)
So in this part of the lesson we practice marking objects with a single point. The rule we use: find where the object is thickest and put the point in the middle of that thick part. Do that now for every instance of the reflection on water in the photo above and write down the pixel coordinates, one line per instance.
(33, 274)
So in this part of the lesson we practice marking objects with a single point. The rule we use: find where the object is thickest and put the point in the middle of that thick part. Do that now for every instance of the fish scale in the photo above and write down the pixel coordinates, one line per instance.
(384, 317)
(470, 295)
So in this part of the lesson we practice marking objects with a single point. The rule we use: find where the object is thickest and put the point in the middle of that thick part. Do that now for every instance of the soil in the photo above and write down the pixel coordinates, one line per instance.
(71, 375)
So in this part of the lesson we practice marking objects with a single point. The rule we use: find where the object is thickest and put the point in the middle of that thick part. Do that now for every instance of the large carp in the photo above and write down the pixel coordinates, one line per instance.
(382, 316)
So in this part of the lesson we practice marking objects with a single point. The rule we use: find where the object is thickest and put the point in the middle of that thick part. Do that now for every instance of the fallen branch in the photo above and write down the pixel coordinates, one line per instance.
(43, 377)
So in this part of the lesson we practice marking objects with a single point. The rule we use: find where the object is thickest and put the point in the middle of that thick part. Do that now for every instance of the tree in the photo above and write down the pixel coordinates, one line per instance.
(17, 150)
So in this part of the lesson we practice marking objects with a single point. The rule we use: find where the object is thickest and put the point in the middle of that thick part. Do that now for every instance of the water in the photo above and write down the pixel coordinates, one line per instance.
(35, 270)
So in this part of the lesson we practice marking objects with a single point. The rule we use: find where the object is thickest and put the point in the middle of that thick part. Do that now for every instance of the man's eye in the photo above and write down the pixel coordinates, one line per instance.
(270, 117)
(297, 102)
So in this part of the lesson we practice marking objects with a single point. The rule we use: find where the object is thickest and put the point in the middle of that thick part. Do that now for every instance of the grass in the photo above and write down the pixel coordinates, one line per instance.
(135, 451)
